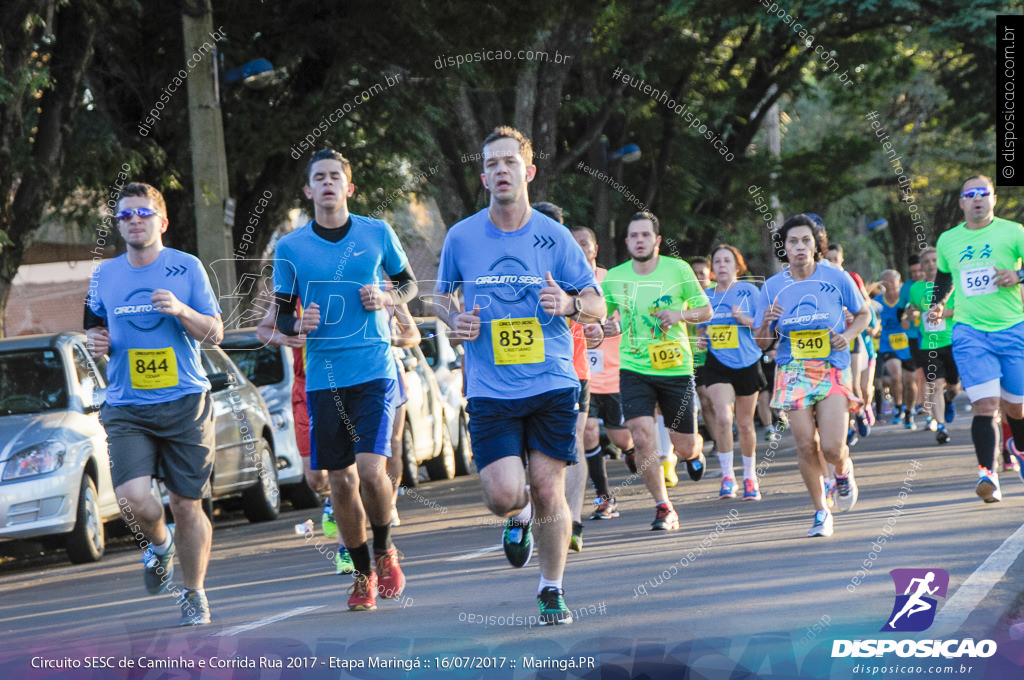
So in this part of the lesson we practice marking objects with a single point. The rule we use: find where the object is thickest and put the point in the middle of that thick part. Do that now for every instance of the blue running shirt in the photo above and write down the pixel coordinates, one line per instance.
(734, 347)
(153, 359)
(351, 345)
(811, 308)
(503, 272)
(891, 326)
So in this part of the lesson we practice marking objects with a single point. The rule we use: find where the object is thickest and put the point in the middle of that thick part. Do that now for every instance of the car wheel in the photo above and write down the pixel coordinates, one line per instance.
(463, 451)
(303, 497)
(262, 501)
(410, 469)
(86, 541)
(442, 466)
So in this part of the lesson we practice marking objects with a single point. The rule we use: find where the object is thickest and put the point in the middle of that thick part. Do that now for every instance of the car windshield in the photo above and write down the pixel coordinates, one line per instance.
(31, 381)
(262, 365)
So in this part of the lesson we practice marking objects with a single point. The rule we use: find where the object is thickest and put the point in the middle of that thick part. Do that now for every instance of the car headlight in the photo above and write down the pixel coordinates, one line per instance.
(35, 460)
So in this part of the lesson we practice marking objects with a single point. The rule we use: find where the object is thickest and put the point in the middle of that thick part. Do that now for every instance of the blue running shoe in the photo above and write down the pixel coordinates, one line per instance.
(863, 429)
(159, 569)
(728, 489)
(950, 412)
(1017, 456)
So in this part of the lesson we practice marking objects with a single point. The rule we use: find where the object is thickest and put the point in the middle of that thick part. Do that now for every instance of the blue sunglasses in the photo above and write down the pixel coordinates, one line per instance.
(141, 212)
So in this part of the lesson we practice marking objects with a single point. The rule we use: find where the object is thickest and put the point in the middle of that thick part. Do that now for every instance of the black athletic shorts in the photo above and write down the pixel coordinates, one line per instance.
(676, 395)
(745, 381)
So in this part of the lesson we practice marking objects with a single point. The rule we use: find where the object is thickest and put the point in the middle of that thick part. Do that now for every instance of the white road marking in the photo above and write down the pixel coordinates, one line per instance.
(475, 553)
(977, 586)
(263, 622)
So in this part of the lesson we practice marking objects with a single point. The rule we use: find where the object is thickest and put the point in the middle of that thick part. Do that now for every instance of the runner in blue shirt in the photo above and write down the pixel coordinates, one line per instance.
(894, 345)
(334, 264)
(521, 274)
(732, 370)
(803, 306)
(150, 308)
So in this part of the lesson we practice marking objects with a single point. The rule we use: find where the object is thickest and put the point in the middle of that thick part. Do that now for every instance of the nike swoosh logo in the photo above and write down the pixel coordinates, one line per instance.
(355, 254)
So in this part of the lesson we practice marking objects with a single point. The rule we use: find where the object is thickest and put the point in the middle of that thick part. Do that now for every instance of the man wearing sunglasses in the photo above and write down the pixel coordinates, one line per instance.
(979, 260)
(149, 309)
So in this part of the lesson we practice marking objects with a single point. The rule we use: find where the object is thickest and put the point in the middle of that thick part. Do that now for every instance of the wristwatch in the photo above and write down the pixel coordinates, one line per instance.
(577, 304)
(1020, 275)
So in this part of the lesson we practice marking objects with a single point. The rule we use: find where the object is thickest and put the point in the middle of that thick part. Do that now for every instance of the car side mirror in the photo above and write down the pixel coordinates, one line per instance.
(221, 381)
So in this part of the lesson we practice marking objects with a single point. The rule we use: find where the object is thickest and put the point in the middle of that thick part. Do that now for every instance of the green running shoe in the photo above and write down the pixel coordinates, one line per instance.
(518, 542)
(343, 562)
(553, 611)
(195, 610)
(330, 526)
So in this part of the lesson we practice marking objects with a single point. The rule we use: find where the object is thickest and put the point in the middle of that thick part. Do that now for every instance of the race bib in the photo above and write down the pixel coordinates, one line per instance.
(152, 369)
(898, 341)
(810, 344)
(596, 359)
(517, 341)
(936, 327)
(978, 281)
(665, 355)
(724, 337)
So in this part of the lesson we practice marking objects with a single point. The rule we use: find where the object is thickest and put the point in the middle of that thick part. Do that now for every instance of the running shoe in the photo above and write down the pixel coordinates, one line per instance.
(553, 611)
(919, 409)
(770, 433)
(158, 568)
(950, 411)
(327, 520)
(822, 525)
(364, 593)
(576, 539)
(988, 486)
(1016, 458)
(846, 491)
(897, 415)
(671, 479)
(750, 490)
(665, 519)
(728, 489)
(343, 561)
(605, 510)
(931, 424)
(908, 421)
(830, 492)
(518, 542)
(851, 437)
(863, 429)
(396, 521)
(630, 459)
(941, 436)
(390, 579)
(195, 610)
(695, 467)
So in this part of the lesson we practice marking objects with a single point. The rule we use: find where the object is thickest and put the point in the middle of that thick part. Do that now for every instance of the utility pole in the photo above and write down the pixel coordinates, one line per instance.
(214, 209)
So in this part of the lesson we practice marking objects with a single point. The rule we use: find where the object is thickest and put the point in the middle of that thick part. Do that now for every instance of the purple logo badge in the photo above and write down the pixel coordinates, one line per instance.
(914, 610)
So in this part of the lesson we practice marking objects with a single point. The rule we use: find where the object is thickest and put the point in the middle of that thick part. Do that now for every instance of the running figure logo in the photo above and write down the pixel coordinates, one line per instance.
(914, 611)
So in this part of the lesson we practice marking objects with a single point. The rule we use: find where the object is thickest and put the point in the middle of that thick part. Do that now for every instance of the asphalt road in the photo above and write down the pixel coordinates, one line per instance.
(738, 591)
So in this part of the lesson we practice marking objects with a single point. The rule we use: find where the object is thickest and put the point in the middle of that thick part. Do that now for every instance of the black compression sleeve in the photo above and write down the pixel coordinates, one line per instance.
(92, 319)
(286, 321)
(943, 287)
(405, 286)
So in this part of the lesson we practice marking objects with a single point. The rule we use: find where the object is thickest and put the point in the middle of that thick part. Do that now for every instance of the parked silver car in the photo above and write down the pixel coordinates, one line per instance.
(446, 362)
(54, 468)
(271, 370)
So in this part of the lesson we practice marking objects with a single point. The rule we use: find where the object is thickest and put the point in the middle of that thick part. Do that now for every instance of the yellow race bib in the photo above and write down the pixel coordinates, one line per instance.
(810, 344)
(898, 341)
(665, 355)
(724, 337)
(152, 369)
(517, 341)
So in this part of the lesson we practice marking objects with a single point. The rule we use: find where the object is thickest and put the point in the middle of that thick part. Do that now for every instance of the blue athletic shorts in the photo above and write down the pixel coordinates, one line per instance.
(991, 364)
(345, 421)
(504, 427)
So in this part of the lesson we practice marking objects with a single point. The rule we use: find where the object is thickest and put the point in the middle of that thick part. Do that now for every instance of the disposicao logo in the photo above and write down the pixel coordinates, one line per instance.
(914, 611)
